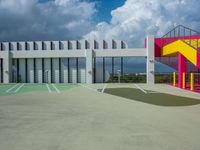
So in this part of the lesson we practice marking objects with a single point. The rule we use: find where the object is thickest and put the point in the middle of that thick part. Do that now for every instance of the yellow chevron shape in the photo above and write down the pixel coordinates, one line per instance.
(179, 46)
(194, 42)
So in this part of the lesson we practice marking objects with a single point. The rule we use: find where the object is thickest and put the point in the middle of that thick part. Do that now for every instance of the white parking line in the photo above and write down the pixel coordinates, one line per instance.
(18, 88)
(57, 90)
(48, 88)
(153, 92)
(141, 89)
(88, 87)
(104, 88)
(12, 88)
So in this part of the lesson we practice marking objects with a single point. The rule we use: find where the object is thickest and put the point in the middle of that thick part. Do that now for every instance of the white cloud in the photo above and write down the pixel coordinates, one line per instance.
(52, 20)
(137, 18)
(19, 6)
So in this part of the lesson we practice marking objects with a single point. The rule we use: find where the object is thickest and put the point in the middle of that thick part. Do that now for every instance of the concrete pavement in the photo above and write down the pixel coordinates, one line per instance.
(82, 119)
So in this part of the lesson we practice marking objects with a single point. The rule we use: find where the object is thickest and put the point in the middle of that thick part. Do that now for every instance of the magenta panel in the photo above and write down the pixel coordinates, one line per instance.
(181, 69)
(198, 60)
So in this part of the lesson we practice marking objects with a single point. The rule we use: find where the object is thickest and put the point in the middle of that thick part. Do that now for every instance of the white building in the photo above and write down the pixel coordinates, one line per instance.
(59, 61)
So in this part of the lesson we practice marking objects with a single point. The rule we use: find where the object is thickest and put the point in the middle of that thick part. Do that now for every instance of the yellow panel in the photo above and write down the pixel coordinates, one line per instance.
(179, 46)
(170, 49)
(194, 43)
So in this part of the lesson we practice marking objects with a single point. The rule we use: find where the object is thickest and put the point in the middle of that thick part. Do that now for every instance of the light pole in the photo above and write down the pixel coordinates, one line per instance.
(47, 75)
(119, 74)
(14, 73)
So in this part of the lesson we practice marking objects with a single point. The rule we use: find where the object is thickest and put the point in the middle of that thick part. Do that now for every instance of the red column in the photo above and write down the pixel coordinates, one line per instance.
(181, 69)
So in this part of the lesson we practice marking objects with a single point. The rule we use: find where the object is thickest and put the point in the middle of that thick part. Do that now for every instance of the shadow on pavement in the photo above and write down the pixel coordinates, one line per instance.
(160, 99)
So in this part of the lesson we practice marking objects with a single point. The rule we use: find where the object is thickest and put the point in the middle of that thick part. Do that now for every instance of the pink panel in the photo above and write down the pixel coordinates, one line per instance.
(160, 42)
(181, 69)
(198, 60)
(158, 46)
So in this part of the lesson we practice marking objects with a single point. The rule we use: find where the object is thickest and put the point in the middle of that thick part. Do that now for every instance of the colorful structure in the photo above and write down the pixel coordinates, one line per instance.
(59, 61)
(180, 49)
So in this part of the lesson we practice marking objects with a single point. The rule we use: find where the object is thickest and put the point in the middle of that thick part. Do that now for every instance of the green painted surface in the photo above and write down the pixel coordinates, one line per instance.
(160, 99)
(33, 88)
(5, 87)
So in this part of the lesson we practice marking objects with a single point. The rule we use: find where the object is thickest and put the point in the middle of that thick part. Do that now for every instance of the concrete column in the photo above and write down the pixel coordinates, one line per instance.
(73, 45)
(89, 66)
(47, 45)
(6, 67)
(82, 76)
(38, 70)
(150, 60)
(47, 70)
(30, 71)
(39, 45)
(82, 42)
(30, 46)
(181, 69)
(56, 43)
(14, 46)
(101, 44)
(91, 44)
(22, 45)
(22, 71)
(56, 73)
(64, 70)
(73, 75)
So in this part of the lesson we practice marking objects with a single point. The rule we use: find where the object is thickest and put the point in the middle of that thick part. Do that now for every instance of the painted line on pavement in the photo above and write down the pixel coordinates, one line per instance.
(141, 89)
(10, 89)
(48, 88)
(104, 88)
(57, 90)
(153, 92)
(88, 87)
(18, 88)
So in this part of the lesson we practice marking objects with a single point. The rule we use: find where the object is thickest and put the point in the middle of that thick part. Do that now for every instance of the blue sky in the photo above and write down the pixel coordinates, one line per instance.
(104, 8)
(128, 20)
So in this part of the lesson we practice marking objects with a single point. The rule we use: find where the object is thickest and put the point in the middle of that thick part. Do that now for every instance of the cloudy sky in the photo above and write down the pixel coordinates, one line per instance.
(129, 20)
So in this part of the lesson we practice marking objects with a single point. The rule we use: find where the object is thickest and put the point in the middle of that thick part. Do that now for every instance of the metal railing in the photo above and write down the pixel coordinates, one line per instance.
(180, 32)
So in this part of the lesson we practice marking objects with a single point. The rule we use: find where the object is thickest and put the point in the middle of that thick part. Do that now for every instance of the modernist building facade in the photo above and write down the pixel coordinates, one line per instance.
(60, 61)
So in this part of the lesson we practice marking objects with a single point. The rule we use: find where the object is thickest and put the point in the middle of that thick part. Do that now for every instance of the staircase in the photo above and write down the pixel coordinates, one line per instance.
(183, 40)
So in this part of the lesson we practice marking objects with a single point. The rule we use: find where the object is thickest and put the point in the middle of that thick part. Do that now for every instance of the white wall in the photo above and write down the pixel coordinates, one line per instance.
(81, 76)
(47, 70)
(14, 68)
(84, 75)
(38, 70)
(30, 70)
(73, 75)
(22, 71)
(30, 46)
(55, 69)
(64, 71)
(150, 60)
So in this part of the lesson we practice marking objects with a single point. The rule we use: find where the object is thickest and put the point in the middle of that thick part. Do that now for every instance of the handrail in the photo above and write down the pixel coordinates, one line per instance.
(188, 44)
(183, 33)
(179, 27)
